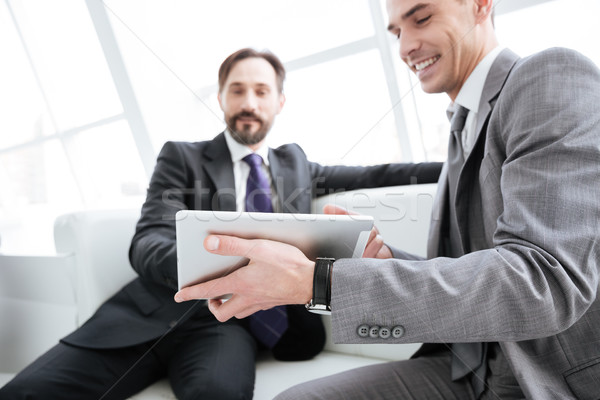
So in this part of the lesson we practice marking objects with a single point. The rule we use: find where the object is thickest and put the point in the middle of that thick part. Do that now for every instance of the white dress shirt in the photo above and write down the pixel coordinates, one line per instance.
(469, 97)
(241, 170)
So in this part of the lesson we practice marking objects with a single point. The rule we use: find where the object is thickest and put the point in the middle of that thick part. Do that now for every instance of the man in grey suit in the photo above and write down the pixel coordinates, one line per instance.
(507, 301)
(141, 334)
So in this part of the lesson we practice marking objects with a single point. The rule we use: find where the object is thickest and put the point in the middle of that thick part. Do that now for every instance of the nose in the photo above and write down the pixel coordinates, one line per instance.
(250, 101)
(408, 44)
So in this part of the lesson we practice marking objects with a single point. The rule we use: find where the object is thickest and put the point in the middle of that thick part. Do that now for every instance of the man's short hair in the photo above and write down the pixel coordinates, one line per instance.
(242, 54)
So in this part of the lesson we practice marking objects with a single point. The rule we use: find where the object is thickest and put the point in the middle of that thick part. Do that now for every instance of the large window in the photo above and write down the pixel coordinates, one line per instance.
(92, 89)
(65, 143)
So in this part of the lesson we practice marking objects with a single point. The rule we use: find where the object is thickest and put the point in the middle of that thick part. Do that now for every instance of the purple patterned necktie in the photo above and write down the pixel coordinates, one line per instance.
(267, 326)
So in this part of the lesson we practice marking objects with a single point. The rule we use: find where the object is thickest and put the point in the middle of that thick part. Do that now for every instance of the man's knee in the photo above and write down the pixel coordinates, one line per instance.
(210, 385)
(221, 392)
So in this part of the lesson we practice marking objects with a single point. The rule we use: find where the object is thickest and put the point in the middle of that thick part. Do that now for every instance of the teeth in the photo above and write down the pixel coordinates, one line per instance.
(426, 63)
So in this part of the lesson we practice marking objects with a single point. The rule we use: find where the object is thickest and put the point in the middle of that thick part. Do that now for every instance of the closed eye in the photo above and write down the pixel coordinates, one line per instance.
(423, 20)
(395, 32)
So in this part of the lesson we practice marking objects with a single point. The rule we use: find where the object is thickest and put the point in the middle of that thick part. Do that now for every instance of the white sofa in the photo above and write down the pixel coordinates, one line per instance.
(44, 298)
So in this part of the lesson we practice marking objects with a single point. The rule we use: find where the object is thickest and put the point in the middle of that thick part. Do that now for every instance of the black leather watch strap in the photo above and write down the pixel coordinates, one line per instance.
(321, 301)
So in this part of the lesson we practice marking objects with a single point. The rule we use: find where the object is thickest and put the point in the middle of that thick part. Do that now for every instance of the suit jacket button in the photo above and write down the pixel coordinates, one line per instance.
(172, 324)
(374, 332)
(363, 330)
(384, 332)
(398, 331)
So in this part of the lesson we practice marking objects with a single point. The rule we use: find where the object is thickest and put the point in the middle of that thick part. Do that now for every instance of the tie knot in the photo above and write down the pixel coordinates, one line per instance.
(457, 123)
(253, 160)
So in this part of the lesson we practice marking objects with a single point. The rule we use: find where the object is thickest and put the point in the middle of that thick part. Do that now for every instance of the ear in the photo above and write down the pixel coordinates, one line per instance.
(220, 101)
(281, 102)
(483, 10)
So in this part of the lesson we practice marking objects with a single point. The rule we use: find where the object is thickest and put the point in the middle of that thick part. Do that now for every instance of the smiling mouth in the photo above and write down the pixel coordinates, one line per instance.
(424, 64)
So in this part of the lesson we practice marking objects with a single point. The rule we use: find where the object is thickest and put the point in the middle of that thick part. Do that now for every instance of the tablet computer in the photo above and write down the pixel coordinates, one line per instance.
(317, 235)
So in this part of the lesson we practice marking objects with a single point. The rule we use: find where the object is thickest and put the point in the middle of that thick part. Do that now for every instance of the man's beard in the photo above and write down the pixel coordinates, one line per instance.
(245, 136)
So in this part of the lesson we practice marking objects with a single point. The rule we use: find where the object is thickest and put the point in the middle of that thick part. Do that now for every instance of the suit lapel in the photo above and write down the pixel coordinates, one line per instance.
(219, 169)
(493, 85)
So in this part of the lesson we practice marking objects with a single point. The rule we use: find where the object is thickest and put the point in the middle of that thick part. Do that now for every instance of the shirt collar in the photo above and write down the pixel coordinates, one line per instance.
(239, 151)
(470, 94)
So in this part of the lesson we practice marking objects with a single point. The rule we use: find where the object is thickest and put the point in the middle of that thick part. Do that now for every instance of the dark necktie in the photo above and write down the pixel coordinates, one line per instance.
(466, 357)
(455, 164)
(267, 326)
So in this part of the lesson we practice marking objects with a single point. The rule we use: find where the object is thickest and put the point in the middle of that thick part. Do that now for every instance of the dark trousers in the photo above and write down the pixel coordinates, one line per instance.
(203, 359)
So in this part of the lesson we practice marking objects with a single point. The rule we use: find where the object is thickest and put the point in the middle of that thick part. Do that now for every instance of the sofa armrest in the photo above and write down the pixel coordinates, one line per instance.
(99, 240)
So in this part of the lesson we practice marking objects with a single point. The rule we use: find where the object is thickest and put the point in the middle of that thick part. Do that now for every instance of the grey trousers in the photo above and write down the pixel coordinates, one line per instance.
(422, 378)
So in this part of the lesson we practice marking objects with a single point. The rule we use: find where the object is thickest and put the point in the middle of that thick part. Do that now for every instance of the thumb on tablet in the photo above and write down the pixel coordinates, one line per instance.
(228, 245)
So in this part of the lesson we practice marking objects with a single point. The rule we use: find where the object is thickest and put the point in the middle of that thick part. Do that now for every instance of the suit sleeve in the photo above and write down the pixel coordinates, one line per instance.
(541, 273)
(327, 179)
(153, 248)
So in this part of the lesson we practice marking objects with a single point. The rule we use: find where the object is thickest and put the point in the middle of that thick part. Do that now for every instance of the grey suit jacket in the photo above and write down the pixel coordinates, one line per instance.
(529, 214)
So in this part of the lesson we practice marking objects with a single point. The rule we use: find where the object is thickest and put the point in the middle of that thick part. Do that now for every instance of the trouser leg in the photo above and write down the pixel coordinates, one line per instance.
(68, 372)
(211, 360)
(423, 378)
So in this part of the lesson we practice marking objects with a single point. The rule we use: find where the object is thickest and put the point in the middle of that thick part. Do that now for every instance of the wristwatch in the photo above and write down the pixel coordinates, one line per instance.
(321, 301)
